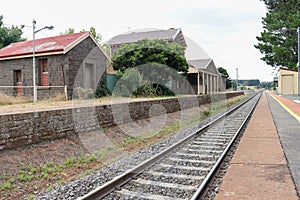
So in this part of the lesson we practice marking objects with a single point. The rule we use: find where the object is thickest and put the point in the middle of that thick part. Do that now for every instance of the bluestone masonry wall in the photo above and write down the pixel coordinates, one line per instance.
(18, 130)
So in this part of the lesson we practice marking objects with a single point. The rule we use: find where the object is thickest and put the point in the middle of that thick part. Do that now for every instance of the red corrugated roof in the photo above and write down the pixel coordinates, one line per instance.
(44, 45)
(287, 69)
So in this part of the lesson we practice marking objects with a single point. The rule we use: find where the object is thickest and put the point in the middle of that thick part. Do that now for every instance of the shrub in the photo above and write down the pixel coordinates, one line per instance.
(82, 93)
(102, 89)
(153, 90)
(128, 82)
(58, 97)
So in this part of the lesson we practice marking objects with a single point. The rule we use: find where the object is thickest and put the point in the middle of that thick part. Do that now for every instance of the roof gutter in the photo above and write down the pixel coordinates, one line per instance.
(30, 55)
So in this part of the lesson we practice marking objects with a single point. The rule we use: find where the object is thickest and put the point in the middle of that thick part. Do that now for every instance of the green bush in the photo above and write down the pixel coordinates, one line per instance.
(128, 82)
(153, 90)
(102, 89)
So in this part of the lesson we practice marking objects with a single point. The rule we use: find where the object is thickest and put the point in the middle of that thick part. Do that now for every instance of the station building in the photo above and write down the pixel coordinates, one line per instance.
(203, 76)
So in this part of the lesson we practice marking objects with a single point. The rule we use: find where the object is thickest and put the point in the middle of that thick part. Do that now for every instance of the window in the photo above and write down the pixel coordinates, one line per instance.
(18, 82)
(44, 65)
(43, 71)
(17, 76)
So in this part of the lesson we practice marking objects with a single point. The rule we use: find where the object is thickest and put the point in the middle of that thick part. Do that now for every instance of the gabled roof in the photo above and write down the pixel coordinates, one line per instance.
(45, 46)
(203, 65)
(169, 35)
(287, 69)
(200, 64)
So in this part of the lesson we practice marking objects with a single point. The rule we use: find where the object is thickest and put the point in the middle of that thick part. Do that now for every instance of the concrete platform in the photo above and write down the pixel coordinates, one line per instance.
(289, 104)
(286, 116)
(259, 169)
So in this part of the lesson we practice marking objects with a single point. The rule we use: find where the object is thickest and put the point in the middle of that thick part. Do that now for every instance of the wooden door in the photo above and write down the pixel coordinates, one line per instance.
(287, 84)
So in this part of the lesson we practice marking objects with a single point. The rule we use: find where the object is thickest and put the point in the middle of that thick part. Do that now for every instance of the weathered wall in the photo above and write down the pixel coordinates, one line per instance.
(70, 65)
(18, 130)
(7, 68)
(85, 52)
(55, 77)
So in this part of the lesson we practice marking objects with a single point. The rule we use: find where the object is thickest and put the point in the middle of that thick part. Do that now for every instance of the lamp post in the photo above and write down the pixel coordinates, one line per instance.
(237, 78)
(33, 58)
(298, 30)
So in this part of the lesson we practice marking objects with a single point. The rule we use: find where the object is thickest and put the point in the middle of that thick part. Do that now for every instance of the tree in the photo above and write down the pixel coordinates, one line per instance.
(279, 45)
(249, 82)
(92, 30)
(267, 85)
(68, 31)
(150, 51)
(157, 62)
(96, 35)
(228, 79)
(10, 35)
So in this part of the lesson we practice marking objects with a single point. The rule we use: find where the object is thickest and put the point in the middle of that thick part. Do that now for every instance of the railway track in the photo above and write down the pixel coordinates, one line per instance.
(184, 170)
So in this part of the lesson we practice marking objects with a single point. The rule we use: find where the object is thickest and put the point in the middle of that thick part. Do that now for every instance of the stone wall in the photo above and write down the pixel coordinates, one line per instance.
(55, 77)
(7, 68)
(19, 130)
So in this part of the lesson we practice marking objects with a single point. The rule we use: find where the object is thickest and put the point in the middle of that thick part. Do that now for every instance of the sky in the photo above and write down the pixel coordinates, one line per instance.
(224, 30)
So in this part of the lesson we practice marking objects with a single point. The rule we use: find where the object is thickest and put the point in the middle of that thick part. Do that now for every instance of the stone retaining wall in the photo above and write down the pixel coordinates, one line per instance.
(19, 130)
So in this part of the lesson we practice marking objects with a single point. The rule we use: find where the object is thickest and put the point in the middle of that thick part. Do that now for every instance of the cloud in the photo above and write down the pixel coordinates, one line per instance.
(214, 15)
(225, 29)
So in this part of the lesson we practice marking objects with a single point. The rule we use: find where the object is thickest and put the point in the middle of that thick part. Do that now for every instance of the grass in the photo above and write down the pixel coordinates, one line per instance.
(3, 175)
(58, 97)
(7, 186)
(102, 153)
(207, 113)
(134, 143)
(6, 99)
(9, 100)
(48, 171)
(30, 197)
(70, 161)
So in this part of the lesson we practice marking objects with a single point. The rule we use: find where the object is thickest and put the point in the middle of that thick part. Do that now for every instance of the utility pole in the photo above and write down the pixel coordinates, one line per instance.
(298, 30)
(33, 58)
(237, 78)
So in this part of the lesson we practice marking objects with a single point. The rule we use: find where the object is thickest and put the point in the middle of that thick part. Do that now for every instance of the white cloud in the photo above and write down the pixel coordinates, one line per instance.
(226, 30)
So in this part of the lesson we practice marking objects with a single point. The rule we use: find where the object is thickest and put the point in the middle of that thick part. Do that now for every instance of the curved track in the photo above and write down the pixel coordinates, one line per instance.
(184, 170)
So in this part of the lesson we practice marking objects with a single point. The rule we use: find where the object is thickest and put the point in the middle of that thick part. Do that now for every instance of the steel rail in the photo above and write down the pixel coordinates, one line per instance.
(117, 181)
(201, 191)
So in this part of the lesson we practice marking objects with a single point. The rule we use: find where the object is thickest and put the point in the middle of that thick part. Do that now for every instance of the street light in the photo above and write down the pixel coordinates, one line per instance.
(33, 57)
(237, 78)
(298, 64)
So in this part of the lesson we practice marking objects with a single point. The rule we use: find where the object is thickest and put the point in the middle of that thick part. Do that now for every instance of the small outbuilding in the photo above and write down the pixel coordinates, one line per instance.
(63, 63)
(203, 76)
(287, 81)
